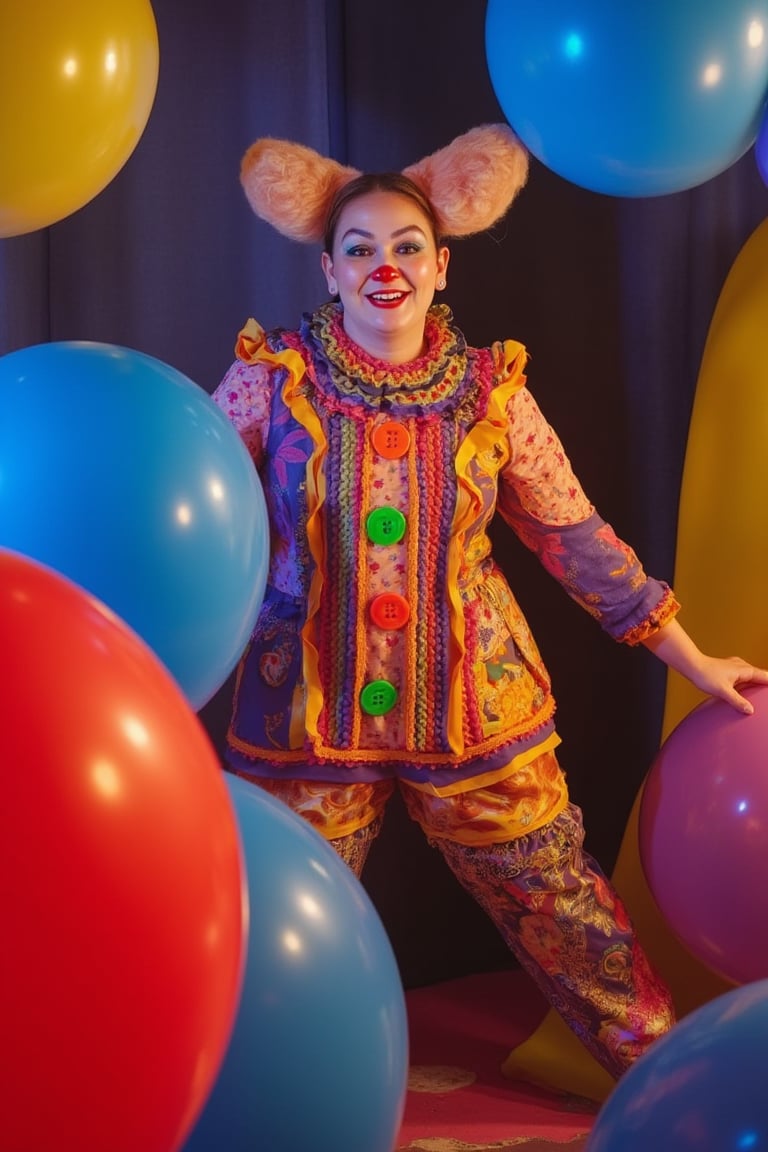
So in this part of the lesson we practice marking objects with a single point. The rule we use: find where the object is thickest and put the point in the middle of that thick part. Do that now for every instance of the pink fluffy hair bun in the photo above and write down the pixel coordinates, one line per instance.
(470, 183)
(291, 186)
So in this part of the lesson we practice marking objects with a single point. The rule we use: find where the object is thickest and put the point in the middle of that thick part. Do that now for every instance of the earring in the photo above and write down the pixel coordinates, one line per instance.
(441, 283)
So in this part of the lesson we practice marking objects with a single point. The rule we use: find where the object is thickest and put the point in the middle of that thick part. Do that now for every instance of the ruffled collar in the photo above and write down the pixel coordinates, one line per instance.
(344, 371)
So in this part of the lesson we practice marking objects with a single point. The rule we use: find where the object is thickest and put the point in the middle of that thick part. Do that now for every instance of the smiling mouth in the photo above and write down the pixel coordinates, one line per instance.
(387, 299)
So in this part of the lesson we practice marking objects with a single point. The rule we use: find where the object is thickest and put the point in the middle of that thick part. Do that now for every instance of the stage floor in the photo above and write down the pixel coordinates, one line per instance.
(461, 1031)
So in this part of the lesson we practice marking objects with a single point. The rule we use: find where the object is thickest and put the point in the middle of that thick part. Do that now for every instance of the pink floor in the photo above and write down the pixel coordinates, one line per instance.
(461, 1031)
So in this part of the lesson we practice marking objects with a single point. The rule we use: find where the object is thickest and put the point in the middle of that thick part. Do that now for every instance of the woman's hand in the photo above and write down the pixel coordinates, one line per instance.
(717, 676)
(722, 677)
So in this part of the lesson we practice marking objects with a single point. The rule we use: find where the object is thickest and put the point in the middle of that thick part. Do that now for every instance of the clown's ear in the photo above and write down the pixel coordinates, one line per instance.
(292, 186)
(472, 181)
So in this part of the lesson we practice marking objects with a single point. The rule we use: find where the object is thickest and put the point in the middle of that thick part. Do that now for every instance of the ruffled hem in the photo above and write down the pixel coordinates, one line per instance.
(666, 610)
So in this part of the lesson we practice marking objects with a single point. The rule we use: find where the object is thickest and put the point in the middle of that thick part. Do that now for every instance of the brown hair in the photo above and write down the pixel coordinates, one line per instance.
(377, 182)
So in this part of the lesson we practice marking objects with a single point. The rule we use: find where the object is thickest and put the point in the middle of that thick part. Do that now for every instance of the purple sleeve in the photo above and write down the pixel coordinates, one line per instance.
(599, 571)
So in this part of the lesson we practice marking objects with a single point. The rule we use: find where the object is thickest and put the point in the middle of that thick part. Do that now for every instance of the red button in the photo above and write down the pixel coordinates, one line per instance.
(390, 611)
(390, 439)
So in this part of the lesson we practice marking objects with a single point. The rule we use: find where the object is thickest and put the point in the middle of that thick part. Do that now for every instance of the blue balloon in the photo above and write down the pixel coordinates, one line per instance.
(761, 148)
(319, 1052)
(122, 474)
(702, 1086)
(639, 98)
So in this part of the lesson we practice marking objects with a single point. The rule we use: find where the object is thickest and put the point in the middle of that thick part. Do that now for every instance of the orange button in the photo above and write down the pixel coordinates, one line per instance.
(390, 611)
(391, 439)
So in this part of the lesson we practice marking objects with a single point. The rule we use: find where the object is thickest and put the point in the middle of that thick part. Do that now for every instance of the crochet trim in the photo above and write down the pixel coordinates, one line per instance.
(352, 382)
(666, 610)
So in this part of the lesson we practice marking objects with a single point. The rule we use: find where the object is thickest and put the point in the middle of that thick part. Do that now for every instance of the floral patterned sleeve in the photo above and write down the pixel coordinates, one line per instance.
(544, 503)
(244, 396)
(539, 471)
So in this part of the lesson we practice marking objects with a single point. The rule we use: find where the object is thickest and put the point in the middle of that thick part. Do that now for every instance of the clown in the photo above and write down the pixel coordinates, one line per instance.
(390, 652)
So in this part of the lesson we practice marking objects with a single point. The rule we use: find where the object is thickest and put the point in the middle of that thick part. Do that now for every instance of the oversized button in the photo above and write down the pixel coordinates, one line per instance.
(390, 610)
(391, 439)
(378, 697)
(385, 525)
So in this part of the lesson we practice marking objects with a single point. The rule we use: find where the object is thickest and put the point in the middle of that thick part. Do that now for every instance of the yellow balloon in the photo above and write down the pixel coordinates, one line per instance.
(720, 565)
(77, 84)
(722, 538)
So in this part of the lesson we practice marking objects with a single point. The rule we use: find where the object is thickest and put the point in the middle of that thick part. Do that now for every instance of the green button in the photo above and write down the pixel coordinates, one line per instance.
(378, 697)
(385, 526)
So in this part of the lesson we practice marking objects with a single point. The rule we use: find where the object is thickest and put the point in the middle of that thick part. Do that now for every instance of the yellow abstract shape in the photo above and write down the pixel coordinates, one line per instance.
(77, 84)
(720, 566)
(722, 536)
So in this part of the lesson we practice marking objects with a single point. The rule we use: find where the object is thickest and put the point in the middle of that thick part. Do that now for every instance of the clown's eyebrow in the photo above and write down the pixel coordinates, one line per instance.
(369, 235)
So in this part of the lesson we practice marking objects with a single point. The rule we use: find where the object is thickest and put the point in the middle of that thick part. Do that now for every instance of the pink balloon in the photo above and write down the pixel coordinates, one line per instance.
(703, 836)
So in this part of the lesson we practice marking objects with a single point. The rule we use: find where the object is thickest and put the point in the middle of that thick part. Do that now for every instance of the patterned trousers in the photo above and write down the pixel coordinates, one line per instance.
(549, 899)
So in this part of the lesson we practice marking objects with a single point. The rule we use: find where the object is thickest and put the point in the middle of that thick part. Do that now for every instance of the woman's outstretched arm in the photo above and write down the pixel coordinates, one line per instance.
(714, 675)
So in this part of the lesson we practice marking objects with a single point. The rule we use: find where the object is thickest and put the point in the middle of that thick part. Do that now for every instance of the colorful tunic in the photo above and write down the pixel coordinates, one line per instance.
(389, 642)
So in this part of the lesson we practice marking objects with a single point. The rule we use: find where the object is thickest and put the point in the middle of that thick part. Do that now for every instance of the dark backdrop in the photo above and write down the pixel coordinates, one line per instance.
(612, 296)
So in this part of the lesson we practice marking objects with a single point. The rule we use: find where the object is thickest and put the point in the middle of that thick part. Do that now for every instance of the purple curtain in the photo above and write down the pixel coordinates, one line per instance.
(613, 298)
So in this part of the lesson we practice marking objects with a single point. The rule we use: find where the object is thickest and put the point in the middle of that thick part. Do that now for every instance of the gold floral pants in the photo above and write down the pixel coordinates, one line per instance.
(549, 899)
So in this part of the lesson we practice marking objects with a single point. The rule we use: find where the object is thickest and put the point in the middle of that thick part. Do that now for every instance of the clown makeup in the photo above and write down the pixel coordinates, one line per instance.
(385, 268)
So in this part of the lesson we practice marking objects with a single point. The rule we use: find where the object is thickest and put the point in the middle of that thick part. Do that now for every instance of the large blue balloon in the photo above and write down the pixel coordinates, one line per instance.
(122, 474)
(631, 97)
(318, 1056)
(702, 1086)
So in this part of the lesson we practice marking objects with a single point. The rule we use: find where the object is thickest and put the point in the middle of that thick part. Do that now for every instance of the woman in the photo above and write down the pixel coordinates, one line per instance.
(390, 651)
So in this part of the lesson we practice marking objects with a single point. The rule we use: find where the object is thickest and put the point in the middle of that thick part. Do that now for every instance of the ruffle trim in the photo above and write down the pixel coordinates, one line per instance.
(666, 610)
(250, 339)
(315, 753)
(355, 380)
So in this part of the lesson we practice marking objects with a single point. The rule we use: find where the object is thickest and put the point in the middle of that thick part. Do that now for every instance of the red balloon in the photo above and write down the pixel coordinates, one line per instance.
(703, 835)
(122, 882)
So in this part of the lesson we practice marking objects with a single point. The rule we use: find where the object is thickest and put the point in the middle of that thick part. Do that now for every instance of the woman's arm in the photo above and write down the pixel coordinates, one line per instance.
(544, 503)
(711, 674)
